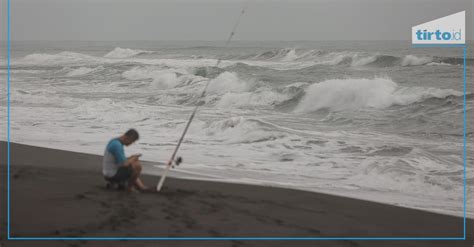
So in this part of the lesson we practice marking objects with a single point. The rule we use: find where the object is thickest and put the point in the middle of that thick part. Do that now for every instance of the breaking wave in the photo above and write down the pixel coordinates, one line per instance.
(411, 60)
(379, 93)
(125, 52)
(230, 90)
(159, 78)
(229, 82)
(282, 59)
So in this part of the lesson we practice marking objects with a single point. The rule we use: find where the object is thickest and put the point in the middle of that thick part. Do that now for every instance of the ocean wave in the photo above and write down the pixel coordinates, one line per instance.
(161, 78)
(68, 58)
(65, 57)
(354, 59)
(83, 71)
(438, 64)
(350, 94)
(281, 59)
(260, 98)
(410, 171)
(289, 54)
(125, 52)
(358, 61)
(243, 130)
(228, 82)
(411, 60)
(228, 90)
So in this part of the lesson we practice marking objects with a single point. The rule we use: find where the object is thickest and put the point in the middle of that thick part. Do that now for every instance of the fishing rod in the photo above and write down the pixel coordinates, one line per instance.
(179, 160)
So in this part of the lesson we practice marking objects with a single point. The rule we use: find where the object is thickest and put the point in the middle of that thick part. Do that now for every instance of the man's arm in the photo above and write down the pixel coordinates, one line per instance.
(131, 159)
(117, 151)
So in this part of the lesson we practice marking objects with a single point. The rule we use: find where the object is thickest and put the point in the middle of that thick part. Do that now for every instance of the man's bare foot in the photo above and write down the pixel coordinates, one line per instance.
(143, 189)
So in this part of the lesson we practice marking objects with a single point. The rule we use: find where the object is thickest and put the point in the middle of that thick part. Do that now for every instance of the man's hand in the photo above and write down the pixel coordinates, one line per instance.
(136, 156)
(132, 159)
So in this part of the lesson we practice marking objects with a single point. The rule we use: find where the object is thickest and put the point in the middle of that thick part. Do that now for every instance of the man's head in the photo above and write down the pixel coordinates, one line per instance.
(129, 137)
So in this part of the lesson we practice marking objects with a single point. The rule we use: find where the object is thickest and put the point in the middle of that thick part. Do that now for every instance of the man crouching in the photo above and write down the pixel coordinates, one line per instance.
(117, 168)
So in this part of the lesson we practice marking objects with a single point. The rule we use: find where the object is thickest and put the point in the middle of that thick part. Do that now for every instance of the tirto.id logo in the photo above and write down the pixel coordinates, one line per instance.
(438, 35)
(446, 30)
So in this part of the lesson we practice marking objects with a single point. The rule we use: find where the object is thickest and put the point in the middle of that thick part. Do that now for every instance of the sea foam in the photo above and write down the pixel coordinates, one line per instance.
(379, 93)
(125, 52)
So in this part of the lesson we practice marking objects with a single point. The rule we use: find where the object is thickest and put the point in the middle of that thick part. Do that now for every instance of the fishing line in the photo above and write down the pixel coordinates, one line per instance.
(171, 160)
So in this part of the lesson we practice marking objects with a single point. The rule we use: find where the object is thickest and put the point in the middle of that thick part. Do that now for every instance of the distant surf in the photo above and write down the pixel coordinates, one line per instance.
(125, 52)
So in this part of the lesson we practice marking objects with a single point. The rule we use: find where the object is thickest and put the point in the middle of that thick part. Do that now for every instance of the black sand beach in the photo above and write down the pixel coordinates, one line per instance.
(62, 194)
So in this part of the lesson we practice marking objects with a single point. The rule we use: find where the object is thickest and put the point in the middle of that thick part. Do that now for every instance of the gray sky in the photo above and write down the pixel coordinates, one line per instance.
(212, 20)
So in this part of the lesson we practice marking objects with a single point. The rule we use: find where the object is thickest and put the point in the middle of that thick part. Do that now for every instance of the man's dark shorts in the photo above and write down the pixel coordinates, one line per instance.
(123, 174)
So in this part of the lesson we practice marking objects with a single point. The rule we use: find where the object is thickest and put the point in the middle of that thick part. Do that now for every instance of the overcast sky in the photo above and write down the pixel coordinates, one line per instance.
(212, 20)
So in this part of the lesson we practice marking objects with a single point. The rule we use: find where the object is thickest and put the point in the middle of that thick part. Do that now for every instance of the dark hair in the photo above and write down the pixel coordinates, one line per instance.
(133, 134)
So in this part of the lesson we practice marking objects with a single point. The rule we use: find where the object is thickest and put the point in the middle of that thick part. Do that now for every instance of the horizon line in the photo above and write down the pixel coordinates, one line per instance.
(203, 40)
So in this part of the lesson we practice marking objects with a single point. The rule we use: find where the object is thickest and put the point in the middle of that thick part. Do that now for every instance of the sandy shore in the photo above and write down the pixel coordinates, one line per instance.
(62, 194)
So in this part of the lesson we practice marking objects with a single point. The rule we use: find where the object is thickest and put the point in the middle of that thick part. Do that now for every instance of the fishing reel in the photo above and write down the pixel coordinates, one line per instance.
(176, 162)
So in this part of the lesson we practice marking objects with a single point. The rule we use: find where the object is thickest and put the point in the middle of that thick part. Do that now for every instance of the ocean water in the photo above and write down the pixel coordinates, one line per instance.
(378, 121)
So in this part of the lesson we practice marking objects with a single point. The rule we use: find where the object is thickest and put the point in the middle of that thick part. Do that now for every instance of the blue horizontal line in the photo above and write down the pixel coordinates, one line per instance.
(439, 45)
(236, 238)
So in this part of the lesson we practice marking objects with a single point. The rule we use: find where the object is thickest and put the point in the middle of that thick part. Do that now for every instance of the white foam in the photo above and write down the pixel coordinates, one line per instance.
(124, 53)
(411, 60)
(67, 58)
(161, 78)
(228, 82)
(377, 93)
(61, 58)
(438, 63)
(241, 130)
(359, 60)
(290, 56)
(263, 97)
(234, 92)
